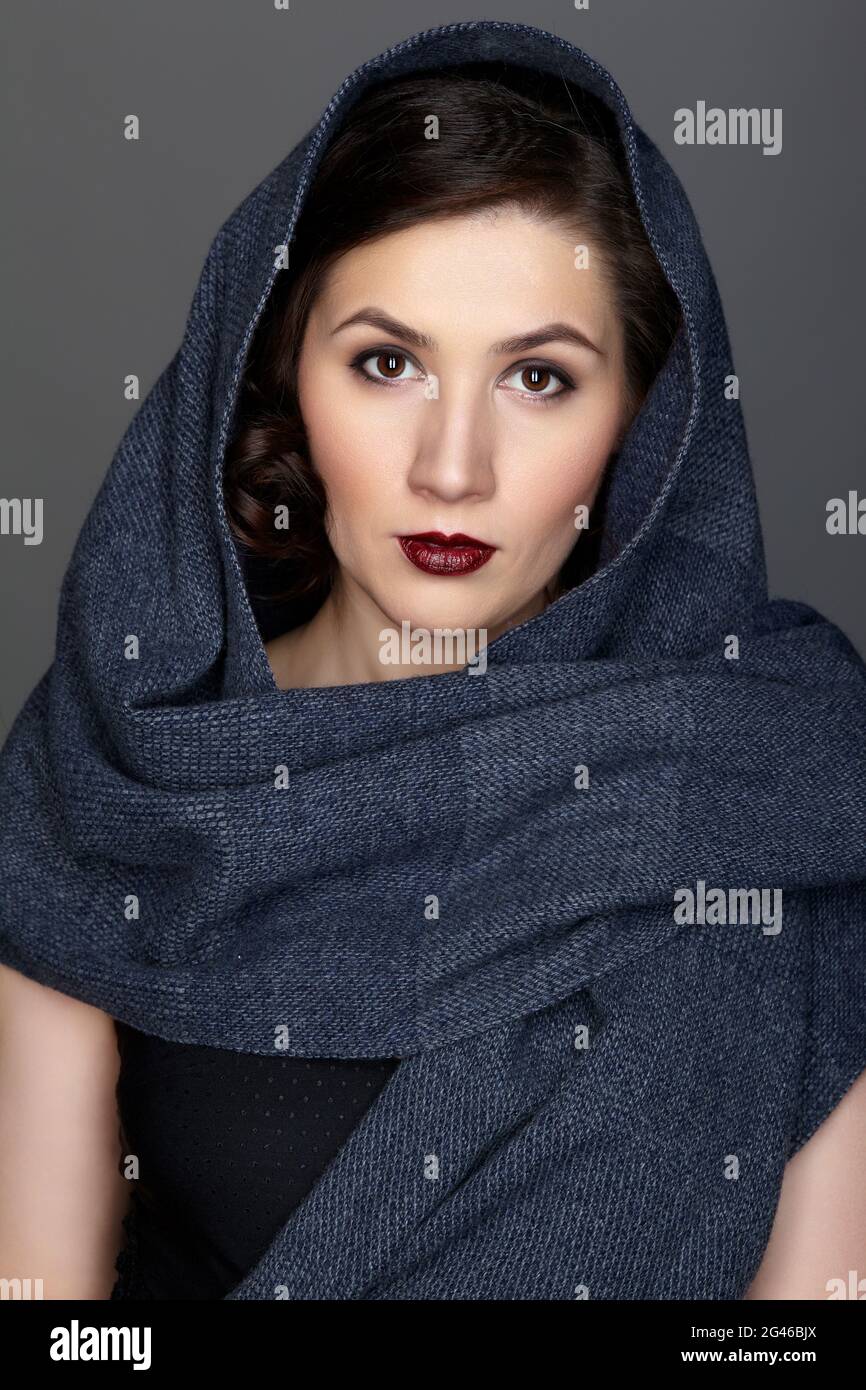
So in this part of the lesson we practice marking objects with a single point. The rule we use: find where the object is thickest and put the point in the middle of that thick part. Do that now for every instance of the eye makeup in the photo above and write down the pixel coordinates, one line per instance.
(540, 371)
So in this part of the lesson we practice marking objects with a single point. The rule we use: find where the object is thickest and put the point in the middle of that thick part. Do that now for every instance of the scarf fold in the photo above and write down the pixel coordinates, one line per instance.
(431, 884)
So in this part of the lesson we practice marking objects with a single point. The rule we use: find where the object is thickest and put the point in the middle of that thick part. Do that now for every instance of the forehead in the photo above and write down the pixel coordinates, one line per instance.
(490, 274)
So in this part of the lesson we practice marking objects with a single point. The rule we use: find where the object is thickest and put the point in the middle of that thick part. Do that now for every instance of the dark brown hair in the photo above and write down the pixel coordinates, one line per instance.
(505, 135)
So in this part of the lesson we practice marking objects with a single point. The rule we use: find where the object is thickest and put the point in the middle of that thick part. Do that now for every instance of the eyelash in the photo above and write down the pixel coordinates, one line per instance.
(566, 384)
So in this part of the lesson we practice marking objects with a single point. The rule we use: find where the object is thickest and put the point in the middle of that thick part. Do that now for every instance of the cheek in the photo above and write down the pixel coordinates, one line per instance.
(568, 472)
(356, 451)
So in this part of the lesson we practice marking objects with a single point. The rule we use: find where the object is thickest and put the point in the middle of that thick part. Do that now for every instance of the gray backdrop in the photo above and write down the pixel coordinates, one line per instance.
(105, 238)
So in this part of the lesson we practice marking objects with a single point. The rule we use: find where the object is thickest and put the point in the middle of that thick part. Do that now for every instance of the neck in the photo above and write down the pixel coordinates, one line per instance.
(341, 644)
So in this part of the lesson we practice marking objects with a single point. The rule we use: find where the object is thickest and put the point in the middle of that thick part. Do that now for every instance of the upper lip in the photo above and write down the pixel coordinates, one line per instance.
(457, 538)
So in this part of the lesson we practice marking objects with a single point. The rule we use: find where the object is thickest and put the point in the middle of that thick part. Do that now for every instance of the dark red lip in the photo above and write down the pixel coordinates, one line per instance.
(435, 553)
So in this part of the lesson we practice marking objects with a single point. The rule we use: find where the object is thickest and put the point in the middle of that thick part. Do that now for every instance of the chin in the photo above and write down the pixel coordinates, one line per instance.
(437, 610)
(487, 618)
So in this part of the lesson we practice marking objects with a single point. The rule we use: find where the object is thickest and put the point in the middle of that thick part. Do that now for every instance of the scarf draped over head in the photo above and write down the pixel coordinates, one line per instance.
(412, 868)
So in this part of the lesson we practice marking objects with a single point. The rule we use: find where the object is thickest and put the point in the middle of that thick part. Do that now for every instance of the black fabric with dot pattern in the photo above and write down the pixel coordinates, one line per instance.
(228, 1144)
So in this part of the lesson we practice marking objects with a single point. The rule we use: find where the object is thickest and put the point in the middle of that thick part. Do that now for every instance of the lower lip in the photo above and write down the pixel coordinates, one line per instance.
(445, 559)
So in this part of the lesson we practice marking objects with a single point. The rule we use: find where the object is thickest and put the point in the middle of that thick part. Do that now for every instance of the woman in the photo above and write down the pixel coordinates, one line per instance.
(479, 902)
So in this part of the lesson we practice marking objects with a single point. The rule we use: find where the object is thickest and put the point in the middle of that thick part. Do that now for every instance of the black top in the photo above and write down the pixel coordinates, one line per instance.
(228, 1144)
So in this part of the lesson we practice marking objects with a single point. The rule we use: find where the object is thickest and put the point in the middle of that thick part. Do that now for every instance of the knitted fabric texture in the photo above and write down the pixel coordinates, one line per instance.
(593, 1098)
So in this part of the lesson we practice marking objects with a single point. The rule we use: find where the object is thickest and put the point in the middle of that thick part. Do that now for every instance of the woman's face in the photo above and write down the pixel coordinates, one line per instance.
(425, 412)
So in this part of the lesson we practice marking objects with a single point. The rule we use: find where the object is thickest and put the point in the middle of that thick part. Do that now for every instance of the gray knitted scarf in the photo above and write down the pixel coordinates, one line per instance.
(621, 1002)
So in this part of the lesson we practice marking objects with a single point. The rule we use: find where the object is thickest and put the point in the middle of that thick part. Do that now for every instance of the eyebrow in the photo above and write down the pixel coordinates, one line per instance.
(524, 342)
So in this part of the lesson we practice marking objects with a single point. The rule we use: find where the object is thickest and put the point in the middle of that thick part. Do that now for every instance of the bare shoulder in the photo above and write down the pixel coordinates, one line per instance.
(25, 1003)
(51, 1037)
(63, 1195)
(819, 1231)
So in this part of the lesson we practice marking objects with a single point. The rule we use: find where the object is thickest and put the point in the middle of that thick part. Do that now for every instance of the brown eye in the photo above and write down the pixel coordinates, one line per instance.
(387, 366)
(535, 378)
(391, 364)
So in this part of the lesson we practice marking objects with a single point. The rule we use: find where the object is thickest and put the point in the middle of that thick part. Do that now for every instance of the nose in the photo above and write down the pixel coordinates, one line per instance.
(453, 458)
